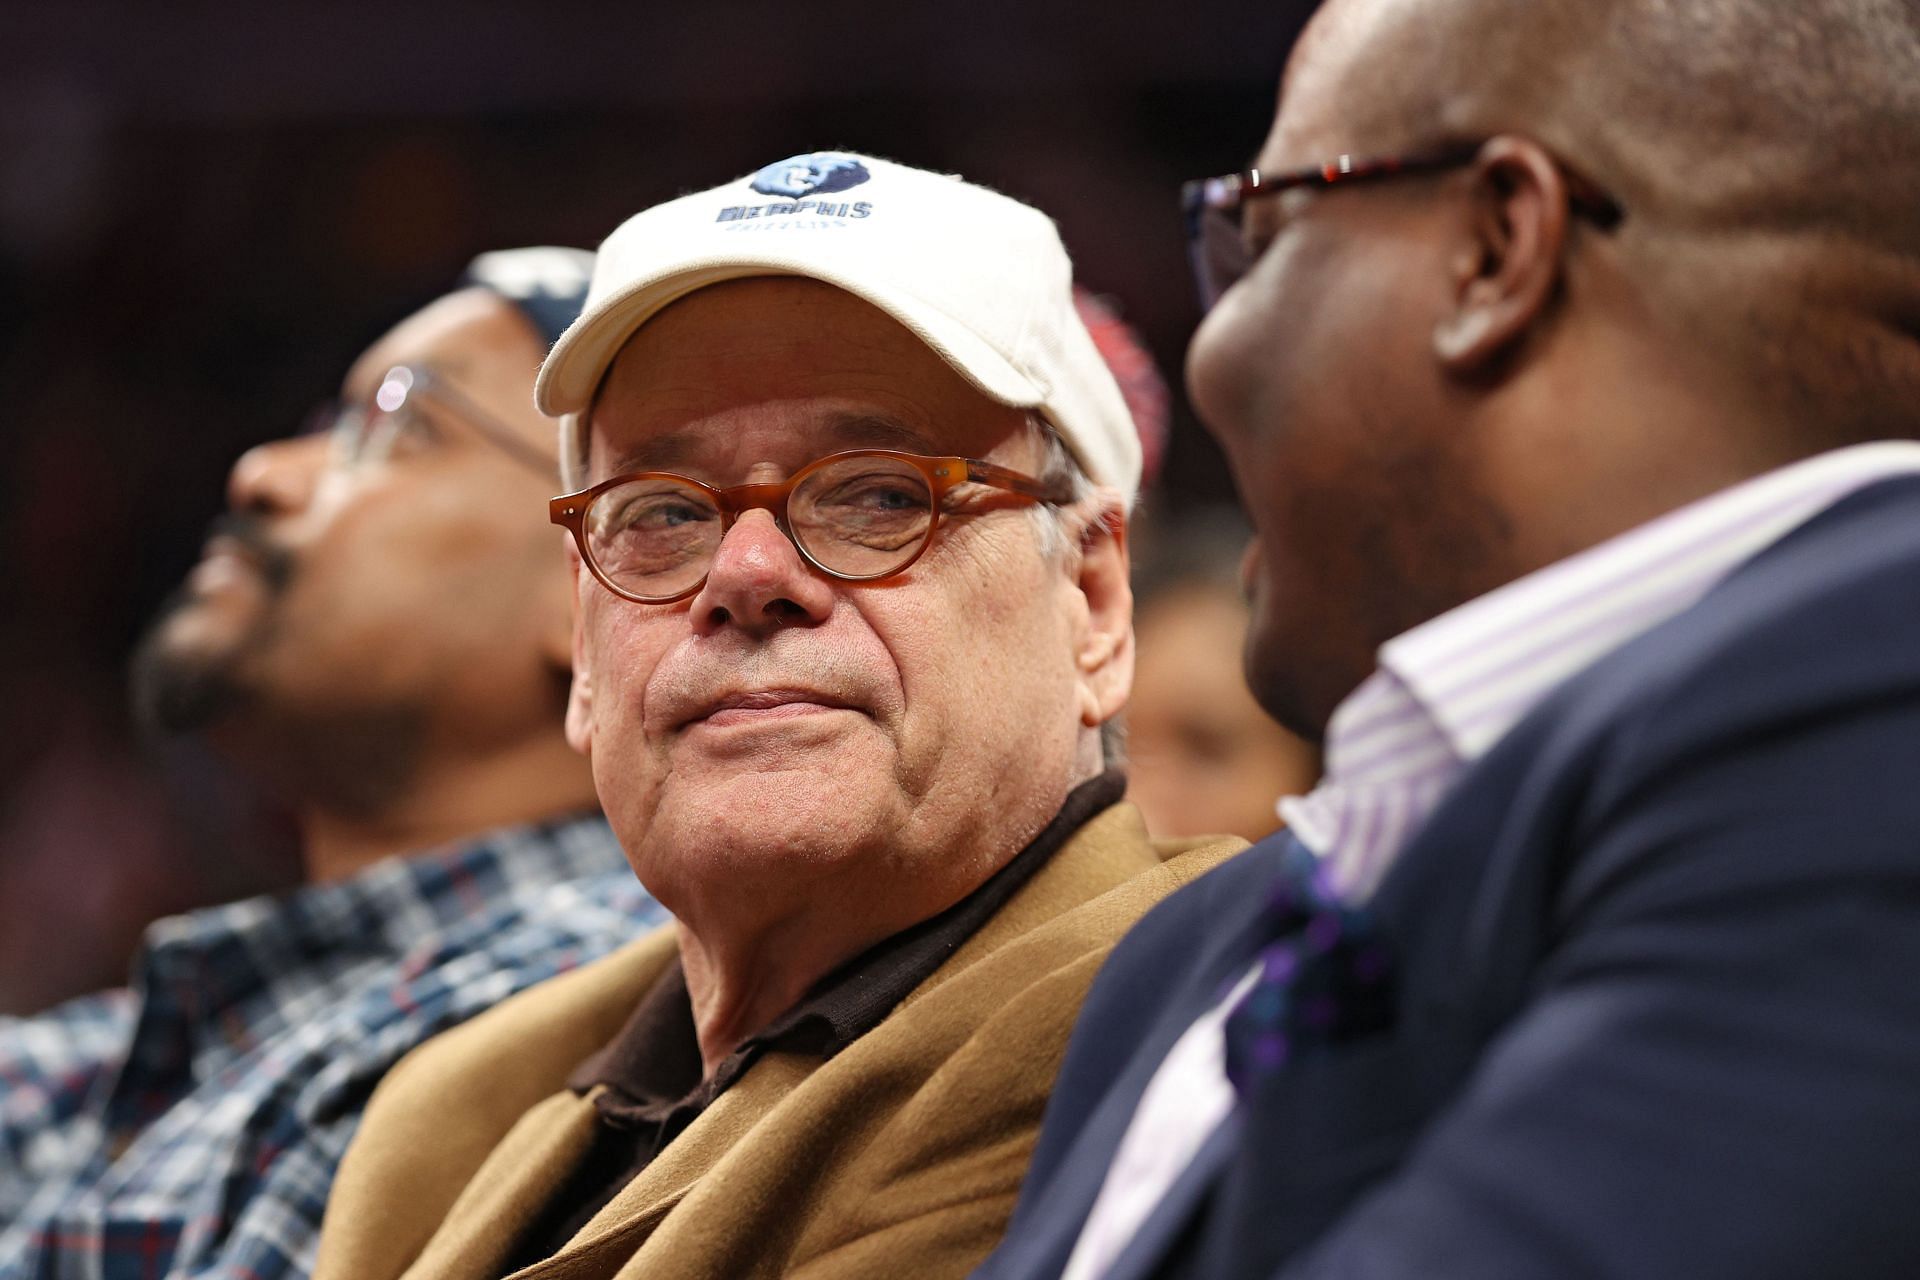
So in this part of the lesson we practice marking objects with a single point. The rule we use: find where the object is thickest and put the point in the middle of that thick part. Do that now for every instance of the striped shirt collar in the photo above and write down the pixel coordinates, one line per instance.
(1449, 689)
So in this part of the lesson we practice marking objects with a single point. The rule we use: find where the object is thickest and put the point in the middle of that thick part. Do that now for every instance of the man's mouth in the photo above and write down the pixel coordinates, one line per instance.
(239, 551)
(223, 561)
(766, 706)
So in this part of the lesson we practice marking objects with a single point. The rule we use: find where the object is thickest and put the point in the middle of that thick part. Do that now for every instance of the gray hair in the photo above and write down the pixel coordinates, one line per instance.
(1057, 526)
(573, 451)
(1057, 466)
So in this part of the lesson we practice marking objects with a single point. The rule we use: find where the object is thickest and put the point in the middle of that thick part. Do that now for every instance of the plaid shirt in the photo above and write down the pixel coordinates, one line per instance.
(191, 1126)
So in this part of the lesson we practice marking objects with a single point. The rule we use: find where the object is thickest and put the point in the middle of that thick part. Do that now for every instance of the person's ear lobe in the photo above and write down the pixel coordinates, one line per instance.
(1509, 266)
(1104, 652)
(580, 693)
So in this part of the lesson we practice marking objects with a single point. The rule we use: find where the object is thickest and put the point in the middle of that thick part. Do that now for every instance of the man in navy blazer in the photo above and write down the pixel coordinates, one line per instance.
(1567, 355)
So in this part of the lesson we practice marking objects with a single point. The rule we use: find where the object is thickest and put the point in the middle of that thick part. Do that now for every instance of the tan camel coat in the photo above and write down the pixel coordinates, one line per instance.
(900, 1156)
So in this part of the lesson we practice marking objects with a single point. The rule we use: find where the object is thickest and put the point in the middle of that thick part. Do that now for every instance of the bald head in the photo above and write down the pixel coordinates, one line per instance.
(1435, 379)
(1767, 157)
(1695, 112)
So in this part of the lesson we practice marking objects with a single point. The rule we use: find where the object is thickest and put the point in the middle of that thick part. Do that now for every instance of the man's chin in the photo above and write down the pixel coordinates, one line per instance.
(184, 675)
(805, 813)
(1286, 696)
(775, 778)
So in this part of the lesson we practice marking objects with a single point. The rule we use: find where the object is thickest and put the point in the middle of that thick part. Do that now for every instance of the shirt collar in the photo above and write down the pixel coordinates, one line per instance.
(197, 967)
(1479, 668)
(1447, 690)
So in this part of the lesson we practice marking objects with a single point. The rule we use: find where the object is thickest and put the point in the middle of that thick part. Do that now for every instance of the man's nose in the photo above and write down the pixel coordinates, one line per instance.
(277, 478)
(759, 582)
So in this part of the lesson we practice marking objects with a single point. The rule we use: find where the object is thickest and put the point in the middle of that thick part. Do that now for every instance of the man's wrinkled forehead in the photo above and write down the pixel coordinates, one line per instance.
(689, 448)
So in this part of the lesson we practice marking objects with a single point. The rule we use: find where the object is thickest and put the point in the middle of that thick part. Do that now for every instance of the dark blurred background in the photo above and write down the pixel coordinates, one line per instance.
(208, 207)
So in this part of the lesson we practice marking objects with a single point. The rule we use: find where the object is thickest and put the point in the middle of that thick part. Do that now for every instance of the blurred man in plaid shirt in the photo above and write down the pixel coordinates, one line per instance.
(379, 632)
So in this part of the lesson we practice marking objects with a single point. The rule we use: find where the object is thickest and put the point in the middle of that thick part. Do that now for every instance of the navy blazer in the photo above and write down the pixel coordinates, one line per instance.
(1659, 967)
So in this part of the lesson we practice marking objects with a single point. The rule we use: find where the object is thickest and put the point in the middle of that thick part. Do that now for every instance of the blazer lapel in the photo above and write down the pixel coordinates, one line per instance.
(613, 1242)
(1156, 1235)
(537, 1155)
(1228, 930)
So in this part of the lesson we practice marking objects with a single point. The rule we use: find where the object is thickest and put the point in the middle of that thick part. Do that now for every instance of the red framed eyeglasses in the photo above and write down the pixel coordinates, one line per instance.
(861, 515)
(1213, 207)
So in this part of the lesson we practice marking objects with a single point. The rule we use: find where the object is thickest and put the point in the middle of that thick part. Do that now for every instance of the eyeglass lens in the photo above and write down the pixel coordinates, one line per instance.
(366, 434)
(861, 517)
(1219, 251)
(364, 437)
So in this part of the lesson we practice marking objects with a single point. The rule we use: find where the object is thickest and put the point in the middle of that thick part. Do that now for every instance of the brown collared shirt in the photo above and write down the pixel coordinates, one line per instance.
(654, 1086)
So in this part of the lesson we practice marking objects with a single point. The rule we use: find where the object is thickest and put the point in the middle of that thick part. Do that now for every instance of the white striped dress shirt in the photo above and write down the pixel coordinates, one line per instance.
(1442, 695)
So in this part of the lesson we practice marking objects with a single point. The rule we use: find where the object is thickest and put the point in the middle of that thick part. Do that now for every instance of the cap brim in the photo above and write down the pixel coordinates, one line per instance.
(573, 369)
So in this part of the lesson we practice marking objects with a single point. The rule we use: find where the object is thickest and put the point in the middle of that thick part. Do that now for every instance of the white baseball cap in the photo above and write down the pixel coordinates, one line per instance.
(979, 277)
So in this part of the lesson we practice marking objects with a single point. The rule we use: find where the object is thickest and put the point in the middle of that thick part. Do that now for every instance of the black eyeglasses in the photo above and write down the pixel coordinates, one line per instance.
(391, 423)
(1213, 207)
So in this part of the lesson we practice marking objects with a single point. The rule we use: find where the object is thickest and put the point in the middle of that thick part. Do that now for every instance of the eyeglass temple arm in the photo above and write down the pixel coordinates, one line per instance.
(1230, 190)
(1001, 478)
(500, 433)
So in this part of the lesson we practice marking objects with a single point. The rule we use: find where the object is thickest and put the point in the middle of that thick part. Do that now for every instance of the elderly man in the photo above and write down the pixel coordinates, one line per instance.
(379, 633)
(1570, 369)
(852, 611)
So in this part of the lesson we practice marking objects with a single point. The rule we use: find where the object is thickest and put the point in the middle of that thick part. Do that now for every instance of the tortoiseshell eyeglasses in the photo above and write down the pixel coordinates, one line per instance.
(860, 516)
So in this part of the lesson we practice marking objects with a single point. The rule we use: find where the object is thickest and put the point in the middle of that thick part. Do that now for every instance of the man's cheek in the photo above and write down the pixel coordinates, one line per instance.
(609, 676)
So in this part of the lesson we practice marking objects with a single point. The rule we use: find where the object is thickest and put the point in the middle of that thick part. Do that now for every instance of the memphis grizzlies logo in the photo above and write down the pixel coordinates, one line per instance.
(816, 174)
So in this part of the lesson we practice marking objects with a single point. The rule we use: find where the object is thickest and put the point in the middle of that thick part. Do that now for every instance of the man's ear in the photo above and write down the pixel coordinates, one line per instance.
(1104, 653)
(580, 695)
(1509, 264)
